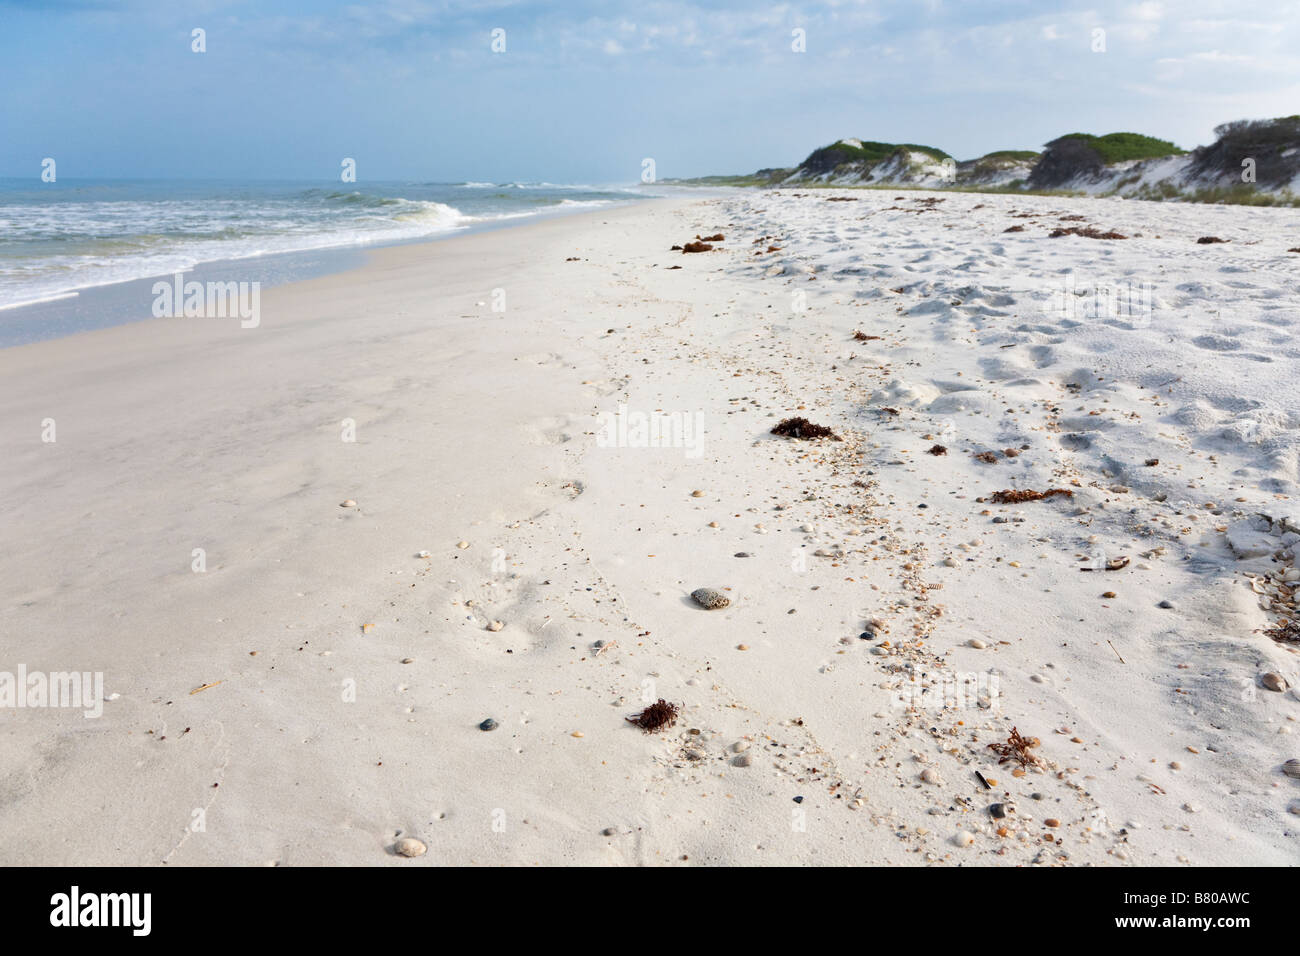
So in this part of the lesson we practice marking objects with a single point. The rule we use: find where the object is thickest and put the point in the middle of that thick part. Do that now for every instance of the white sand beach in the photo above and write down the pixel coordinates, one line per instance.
(315, 692)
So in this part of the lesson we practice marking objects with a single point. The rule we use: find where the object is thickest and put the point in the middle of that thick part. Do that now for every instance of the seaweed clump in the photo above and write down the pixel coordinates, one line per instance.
(1285, 632)
(1018, 748)
(657, 716)
(1011, 497)
(1088, 232)
(801, 428)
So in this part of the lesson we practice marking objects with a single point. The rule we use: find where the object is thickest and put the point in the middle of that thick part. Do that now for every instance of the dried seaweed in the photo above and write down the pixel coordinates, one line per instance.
(1088, 232)
(696, 247)
(1284, 632)
(1012, 497)
(938, 450)
(716, 237)
(987, 456)
(1206, 240)
(658, 716)
(864, 337)
(1018, 748)
(1014, 229)
(802, 428)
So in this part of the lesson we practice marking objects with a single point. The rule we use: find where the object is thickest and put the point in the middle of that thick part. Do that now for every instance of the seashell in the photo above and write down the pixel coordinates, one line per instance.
(409, 846)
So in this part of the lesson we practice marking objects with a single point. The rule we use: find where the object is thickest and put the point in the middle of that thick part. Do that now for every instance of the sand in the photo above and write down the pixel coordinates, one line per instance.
(314, 694)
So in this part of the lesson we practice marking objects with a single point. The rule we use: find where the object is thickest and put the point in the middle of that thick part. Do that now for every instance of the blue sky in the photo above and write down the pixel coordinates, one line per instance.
(584, 90)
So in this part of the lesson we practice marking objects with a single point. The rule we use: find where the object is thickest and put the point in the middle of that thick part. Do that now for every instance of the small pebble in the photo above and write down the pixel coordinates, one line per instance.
(462, 545)
(697, 493)
(348, 504)
(488, 724)
(1051, 822)
(1167, 605)
(743, 760)
(998, 811)
(608, 831)
(976, 643)
(409, 846)
(930, 775)
(963, 838)
(495, 626)
(422, 554)
(1109, 594)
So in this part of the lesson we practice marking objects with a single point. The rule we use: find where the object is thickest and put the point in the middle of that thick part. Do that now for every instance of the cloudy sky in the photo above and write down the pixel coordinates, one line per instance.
(585, 89)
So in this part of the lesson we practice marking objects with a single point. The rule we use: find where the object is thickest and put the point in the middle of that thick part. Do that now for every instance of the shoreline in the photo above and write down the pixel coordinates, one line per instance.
(122, 301)
(888, 622)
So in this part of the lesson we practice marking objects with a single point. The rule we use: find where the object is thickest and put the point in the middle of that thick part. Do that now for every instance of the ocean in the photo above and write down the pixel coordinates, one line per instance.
(59, 241)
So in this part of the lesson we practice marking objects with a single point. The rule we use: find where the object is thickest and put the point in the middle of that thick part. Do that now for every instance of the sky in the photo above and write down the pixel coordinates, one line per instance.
(585, 90)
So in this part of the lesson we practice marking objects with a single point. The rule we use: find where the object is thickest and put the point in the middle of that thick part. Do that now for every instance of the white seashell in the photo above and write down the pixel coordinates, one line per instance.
(409, 846)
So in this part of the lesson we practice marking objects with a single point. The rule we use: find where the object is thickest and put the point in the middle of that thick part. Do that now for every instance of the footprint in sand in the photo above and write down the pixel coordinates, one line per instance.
(550, 431)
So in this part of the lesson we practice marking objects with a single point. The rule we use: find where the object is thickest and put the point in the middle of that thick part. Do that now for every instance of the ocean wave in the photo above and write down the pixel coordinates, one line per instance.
(112, 233)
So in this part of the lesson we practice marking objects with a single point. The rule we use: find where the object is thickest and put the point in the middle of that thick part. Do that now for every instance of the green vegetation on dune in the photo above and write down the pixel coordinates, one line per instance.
(1122, 147)
(1013, 155)
(869, 153)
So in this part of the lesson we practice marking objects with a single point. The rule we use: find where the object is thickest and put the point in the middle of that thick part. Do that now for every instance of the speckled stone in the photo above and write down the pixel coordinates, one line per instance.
(710, 598)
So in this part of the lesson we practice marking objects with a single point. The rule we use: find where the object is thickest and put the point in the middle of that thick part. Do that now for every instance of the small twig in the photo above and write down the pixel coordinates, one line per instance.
(1117, 653)
(983, 781)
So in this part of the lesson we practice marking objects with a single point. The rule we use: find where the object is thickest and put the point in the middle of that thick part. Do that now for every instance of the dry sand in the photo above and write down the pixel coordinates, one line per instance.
(344, 676)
